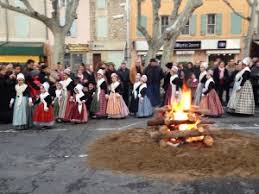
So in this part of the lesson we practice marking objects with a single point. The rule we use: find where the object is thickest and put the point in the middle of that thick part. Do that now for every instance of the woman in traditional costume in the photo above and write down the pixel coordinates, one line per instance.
(174, 89)
(99, 103)
(43, 115)
(145, 108)
(242, 98)
(79, 110)
(210, 100)
(134, 95)
(59, 95)
(22, 117)
(202, 80)
(116, 107)
(66, 102)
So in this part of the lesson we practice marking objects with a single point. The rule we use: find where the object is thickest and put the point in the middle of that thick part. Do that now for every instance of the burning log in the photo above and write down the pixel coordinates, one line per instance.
(161, 121)
(178, 134)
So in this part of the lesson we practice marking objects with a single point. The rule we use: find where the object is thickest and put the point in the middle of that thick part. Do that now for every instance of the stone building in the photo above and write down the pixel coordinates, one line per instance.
(213, 31)
(108, 31)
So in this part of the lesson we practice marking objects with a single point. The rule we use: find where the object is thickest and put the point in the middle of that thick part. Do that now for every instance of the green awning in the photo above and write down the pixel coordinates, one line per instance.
(21, 48)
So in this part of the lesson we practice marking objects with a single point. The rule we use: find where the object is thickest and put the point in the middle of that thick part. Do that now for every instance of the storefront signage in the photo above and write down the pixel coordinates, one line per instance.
(222, 44)
(184, 45)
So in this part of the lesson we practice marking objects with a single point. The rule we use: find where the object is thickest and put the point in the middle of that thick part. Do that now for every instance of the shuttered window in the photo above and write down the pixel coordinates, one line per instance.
(236, 23)
(101, 27)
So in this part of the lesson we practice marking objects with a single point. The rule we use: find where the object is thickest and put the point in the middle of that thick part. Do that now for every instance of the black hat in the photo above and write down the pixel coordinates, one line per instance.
(152, 60)
(169, 65)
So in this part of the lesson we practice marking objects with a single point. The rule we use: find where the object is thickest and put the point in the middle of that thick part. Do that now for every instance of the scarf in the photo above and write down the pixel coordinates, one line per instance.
(66, 83)
(221, 72)
(19, 92)
(144, 85)
(42, 99)
(58, 93)
(79, 102)
(172, 78)
(205, 89)
(114, 86)
(99, 83)
(135, 87)
(202, 75)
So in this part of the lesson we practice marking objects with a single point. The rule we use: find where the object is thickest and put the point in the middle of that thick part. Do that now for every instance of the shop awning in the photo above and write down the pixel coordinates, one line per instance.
(216, 52)
(21, 49)
(17, 58)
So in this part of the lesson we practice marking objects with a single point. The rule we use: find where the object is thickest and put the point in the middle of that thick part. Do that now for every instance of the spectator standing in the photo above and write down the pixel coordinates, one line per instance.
(124, 76)
(221, 78)
(154, 75)
(255, 80)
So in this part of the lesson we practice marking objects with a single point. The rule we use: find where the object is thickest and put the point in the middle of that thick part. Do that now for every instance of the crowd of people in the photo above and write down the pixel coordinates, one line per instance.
(35, 95)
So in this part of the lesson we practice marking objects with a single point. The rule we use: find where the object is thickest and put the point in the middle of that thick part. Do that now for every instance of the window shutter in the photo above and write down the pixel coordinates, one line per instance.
(219, 24)
(73, 30)
(101, 27)
(22, 26)
(143, 22)
(203, 25)
(236, 22)
(193, 25)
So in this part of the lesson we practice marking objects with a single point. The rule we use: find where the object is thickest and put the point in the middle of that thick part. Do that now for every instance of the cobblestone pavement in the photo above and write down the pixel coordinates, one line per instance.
(54, 162)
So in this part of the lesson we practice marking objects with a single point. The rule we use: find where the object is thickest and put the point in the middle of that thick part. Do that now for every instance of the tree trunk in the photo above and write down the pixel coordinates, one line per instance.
(150, 54)
(249, 37)
(168, 50)
(58, 47)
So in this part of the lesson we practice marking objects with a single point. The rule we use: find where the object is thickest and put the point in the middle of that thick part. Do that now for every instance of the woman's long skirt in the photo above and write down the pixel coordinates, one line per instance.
(79, 117)
(99, 106)
(232, 103)
(56, 108)
(145, 108)
(65, 108)
(245, 100)
(212, 103)
(134, 104)
(198, 94)
(116, 107)
(43, 118)
(22, 114)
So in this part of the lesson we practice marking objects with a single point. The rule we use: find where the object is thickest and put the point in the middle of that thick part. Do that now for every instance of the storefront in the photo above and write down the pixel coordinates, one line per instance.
(199, 50)
(75, 54)
(20, 52)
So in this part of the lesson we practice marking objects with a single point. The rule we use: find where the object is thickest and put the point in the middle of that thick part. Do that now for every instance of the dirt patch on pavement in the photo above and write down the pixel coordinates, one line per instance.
(133, 151)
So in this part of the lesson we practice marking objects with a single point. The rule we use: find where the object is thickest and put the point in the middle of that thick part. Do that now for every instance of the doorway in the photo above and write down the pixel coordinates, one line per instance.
(97, 59)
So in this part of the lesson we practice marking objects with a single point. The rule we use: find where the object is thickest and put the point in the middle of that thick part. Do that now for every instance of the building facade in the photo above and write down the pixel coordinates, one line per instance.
(108, 31)
(213, 31)
(22, 37)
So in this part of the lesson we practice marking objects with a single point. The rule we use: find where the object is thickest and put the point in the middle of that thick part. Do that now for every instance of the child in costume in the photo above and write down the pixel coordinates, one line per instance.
(116, 107)
(99, 103)
(134, 95)
(59, 95)
(79, 110)
(145, 108)
(44, 114)
(22, 117)
(210, 100)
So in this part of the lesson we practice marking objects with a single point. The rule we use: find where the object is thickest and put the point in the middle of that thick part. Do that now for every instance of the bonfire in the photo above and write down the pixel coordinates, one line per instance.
(180, 123)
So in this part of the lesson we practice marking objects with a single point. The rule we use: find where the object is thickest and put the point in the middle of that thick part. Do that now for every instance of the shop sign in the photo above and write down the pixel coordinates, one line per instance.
(188, 45)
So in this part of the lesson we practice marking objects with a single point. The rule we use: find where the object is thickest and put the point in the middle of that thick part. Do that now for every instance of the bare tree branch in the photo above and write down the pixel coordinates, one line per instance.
(235, 11)
(28, 5)
(183, 18)
(71, 13)
(142, 29)
(156, 19)
(29, 12)
(175, 11)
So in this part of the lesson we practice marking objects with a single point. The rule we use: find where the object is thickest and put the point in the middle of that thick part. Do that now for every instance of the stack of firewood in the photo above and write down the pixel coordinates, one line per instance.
(168, 132)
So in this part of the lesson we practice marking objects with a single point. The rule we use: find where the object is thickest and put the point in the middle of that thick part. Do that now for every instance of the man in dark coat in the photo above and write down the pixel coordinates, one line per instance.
(124, 76)
(155, 74)
(221, 78)
(255, 81)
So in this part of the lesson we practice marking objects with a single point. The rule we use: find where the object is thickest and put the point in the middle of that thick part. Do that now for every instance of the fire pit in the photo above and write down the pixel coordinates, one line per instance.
(180, 123)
